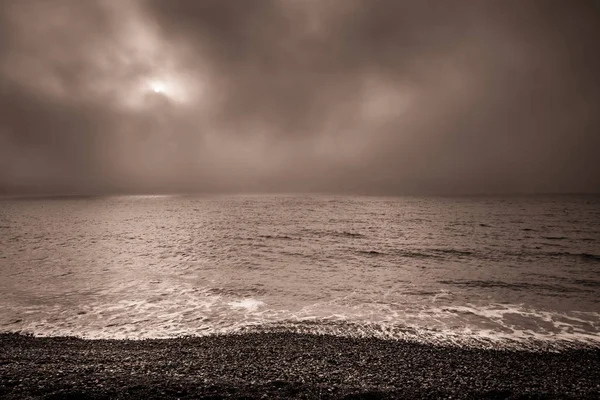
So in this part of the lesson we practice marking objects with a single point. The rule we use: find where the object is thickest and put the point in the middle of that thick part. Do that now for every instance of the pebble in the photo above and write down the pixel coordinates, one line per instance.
(286, 365)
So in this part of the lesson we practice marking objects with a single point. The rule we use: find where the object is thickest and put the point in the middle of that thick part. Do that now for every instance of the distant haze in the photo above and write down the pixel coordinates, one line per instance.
(349, 96)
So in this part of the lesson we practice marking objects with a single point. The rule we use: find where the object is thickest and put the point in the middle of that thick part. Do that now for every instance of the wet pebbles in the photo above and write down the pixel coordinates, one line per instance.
(286, 365)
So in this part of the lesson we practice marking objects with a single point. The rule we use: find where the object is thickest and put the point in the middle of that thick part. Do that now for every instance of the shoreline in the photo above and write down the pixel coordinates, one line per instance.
(286, 365)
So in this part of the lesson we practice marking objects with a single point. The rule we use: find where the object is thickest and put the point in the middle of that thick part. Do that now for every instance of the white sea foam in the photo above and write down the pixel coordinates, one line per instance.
(248, 304)
(496, 325)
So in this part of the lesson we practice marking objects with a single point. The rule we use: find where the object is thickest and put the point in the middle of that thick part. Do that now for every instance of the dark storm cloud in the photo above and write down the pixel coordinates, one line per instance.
(351, 95)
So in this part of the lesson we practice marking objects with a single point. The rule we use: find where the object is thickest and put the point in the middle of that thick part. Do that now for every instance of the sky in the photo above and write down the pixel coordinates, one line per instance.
(383, 97)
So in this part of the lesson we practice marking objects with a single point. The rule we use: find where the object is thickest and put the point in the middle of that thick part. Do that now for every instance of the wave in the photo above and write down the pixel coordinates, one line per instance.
(587, 282)
(416, 254)
(584, 256)
(348, 234)
(334, 233)
(513, 285)
(280, 237)
(492, 326)
(371, 252)
(483, 339)
(432, 253)
(454, 252)
(508, 339)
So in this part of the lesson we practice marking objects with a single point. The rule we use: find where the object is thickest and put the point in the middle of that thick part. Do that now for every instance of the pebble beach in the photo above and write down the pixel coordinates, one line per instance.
(286, 365)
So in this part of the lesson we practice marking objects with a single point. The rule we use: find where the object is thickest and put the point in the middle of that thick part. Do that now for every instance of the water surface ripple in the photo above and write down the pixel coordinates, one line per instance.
(501, 271)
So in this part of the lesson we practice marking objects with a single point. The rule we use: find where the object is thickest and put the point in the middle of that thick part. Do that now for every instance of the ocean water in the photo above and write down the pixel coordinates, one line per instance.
(517, 272)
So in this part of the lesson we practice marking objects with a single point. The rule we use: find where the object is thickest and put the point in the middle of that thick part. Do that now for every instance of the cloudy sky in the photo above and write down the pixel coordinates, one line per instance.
(352, 96)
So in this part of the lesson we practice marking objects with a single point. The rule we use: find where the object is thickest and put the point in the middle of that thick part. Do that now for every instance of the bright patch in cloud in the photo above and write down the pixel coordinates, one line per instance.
(158, 87)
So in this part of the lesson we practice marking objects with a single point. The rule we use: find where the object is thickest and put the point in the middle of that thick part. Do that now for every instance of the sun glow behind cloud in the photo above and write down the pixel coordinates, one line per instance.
(176, 88)
(158, 86)
(150, 63)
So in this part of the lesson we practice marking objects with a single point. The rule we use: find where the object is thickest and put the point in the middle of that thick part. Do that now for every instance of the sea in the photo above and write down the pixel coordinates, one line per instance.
(516, 272)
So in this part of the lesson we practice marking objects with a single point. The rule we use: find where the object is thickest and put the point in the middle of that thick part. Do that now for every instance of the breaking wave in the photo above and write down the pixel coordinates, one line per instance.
(494, 326)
